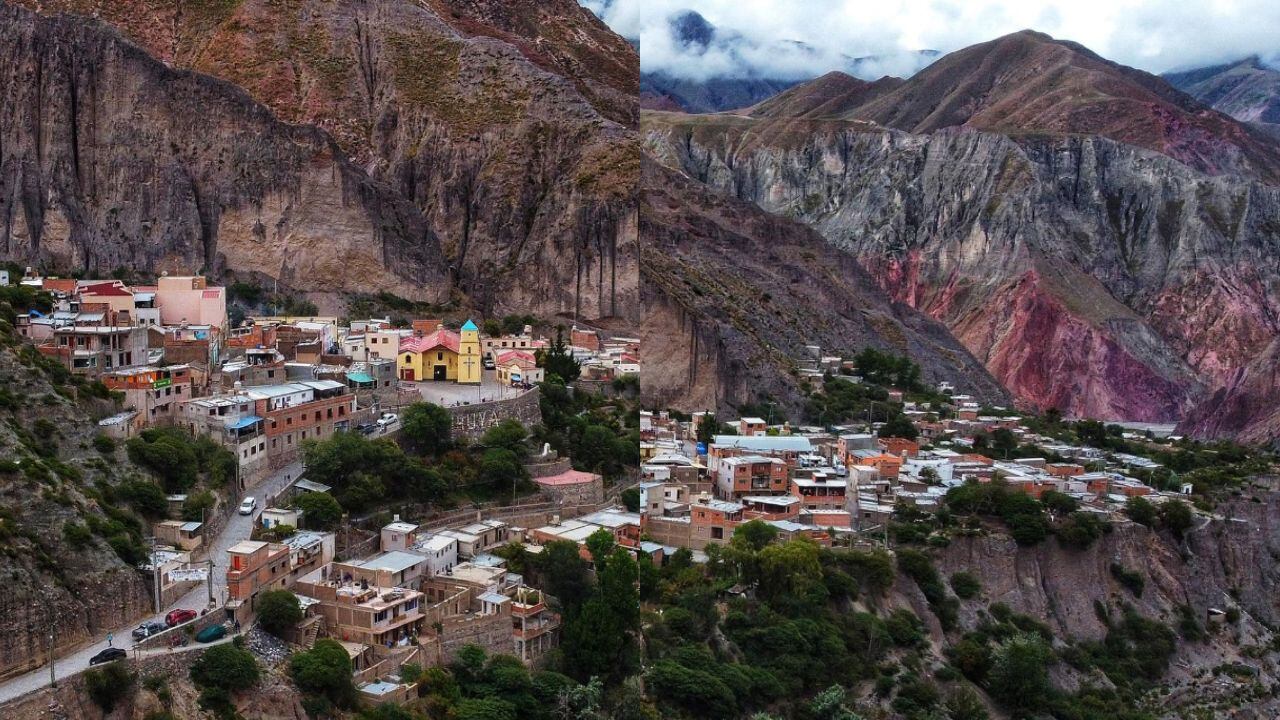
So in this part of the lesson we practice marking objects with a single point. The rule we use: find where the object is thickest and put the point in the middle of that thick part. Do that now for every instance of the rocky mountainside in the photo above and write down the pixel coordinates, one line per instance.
(1246, 90)
(831, 95)
(457, 143)
(61, 543)
(1244, 407)
(1226, 563)
(1028, 82)
(1087, 274)
(733, 294)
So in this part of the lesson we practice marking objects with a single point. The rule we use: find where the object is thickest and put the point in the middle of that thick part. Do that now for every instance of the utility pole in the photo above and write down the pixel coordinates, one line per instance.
(209, 580)
(155, 572)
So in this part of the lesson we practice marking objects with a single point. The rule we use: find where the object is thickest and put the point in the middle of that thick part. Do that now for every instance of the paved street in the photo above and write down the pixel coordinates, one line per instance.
(236, 529)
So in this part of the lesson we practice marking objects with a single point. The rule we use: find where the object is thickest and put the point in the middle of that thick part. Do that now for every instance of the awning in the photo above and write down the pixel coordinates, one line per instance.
(244, 422)
(359, 377)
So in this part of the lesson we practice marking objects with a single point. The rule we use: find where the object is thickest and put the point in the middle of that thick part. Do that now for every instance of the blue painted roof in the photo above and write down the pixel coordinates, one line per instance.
(359, 377)
(245, 422)
(470, 326)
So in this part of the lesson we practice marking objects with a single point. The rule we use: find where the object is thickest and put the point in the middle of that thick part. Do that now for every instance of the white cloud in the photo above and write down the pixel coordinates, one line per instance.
(1154, 35)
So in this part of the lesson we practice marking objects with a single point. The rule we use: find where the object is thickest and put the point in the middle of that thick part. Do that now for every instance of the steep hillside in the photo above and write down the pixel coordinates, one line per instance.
(61, 544)
(829, 96)
(733, 294)
(1244, 408)
(1087, 275)
(470, 139)
(1246, 90)
(1028, 82)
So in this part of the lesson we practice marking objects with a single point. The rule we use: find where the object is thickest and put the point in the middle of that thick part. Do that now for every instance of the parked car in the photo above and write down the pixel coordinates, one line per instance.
(366, 428)
(387, 420)
(247, 505)
(179, 616)
(109, 655)
(149, 628)
(489, 364)
(211, 633)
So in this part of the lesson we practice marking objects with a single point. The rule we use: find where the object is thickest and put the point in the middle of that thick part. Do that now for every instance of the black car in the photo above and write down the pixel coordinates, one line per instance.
(366, 428)
(108, 655)
(149, 628)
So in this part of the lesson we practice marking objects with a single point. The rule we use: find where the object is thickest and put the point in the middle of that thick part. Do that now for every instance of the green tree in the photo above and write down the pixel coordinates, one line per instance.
(500, 467)
(1141, 511)
(1019, 675)
(559, 362)
(427, 428)
(167, 452)
(508, 435)
(226, 667)
(146, 497)
(1004, 441)
(278, 611)
(198, 505)
(320, 510)
(631, 499)
(899, 426)
(325, 670)
(708, 428)
(1176, 515)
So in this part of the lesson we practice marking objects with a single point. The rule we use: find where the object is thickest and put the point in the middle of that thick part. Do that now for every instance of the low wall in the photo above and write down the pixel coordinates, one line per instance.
(161, 640)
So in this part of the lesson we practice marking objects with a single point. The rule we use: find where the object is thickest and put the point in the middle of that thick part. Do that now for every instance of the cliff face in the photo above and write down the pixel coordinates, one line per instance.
(109, 159)
(1087, 275)
(1224, 562)
(491, 136)
(733, 294)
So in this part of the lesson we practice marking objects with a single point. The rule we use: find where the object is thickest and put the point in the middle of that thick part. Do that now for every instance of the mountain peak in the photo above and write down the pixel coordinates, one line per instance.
(690, 29)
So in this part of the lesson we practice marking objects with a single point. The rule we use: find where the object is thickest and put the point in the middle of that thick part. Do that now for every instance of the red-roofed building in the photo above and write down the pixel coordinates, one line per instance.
(518, 366)
(573, 487)
(429, 357)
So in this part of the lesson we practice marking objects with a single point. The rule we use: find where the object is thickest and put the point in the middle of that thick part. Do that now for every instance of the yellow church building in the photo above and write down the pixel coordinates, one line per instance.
(442, 356)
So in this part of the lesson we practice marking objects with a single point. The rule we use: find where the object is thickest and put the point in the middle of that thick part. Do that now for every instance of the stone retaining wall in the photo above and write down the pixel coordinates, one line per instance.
(473, 420)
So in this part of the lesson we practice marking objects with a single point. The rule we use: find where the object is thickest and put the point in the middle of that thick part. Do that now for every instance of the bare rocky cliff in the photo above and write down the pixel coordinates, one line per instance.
(1229, 561)
(1087, 275)
(467, 141)
(109, 159)
(734, 294)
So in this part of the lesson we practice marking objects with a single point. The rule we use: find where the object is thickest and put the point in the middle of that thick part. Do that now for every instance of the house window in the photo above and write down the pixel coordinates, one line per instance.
(439, 356)
(717, 533)
(408, 358)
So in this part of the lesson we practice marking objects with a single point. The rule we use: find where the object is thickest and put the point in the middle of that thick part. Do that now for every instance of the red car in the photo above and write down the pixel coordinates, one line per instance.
(177, 617)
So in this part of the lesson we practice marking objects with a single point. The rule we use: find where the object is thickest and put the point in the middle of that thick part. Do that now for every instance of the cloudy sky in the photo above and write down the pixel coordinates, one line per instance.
(803, 38)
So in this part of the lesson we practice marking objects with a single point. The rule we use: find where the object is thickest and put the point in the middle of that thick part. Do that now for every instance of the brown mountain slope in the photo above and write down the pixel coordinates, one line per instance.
(1028, 82)
(461, 110)
(733, 294)
(831, 95)
(1087, 275)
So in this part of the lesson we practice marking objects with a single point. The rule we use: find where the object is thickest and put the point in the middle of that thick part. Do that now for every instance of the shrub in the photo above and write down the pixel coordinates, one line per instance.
(109, 684)
(104, 444)
(1130, 579)
(78, 535)
(1141, 511)
(1079, 530)
(227, 668)
(965, 585)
